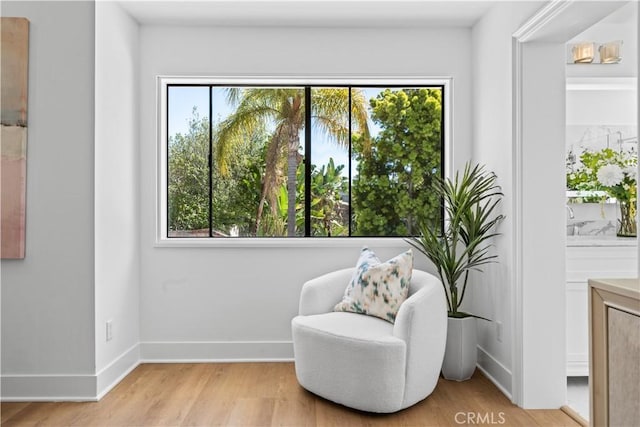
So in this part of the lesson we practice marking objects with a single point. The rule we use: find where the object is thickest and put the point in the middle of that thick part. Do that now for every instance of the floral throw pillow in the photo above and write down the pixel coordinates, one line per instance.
(378, 288)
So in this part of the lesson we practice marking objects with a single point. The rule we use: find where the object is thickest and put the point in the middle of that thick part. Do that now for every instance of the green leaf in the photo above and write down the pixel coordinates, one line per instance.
(471, 200)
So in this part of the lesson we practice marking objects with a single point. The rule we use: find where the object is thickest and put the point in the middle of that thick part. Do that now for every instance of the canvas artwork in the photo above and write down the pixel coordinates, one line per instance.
(13, 142)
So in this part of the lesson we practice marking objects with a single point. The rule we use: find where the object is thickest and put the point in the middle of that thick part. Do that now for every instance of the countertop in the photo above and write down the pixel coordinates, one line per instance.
(627, 287)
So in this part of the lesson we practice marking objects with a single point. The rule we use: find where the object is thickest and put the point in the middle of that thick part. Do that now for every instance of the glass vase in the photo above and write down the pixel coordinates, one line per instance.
(627, 225)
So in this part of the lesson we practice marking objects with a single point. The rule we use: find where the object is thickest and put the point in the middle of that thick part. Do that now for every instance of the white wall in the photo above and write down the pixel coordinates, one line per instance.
(492, 291)
(543, 227)
(47, 298)
(206, 303)
(117, 249)
(598, 105)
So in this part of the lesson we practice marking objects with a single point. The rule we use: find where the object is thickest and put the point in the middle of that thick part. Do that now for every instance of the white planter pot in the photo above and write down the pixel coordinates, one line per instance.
(460, 354)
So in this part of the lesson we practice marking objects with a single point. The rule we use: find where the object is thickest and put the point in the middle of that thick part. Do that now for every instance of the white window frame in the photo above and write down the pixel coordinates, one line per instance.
(162, 239)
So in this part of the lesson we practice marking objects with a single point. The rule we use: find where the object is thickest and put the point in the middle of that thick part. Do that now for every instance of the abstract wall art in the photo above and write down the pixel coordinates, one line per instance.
(13, 139)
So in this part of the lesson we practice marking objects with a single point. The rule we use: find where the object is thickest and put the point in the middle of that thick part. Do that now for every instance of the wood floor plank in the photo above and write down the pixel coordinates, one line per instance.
(329, 414)
(265, 394)
(251, 412)
(10, 409)
(552, 418)
(212, 407)
(46, 413)
(175, 397)
(294, 411)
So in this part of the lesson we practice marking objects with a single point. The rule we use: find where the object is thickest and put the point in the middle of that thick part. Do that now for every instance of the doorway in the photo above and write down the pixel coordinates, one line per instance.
(539, 307)
(601, 131)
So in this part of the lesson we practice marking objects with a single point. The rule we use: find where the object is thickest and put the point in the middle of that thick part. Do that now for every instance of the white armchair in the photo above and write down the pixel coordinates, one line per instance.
(365, 362)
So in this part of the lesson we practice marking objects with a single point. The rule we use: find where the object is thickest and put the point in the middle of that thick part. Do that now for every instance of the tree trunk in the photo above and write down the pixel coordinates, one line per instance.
(269, 180)
(410, 220)
(292, 168)
(263, 197)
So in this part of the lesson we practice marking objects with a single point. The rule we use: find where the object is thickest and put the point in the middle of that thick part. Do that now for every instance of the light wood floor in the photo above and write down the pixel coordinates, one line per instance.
(265, 394)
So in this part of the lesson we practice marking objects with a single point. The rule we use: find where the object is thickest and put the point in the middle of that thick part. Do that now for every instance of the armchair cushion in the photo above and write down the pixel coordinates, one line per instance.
(378, 288)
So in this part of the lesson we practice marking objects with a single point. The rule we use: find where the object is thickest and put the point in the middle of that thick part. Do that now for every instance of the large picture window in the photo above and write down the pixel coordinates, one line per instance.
(301, 160)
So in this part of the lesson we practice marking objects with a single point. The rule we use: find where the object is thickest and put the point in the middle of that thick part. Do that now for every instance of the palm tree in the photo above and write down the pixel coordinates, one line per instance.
(284, 107)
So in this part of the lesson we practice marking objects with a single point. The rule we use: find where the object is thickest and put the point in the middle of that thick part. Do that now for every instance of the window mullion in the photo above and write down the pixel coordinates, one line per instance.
(168, 171)
(349, 172)
(210, 161)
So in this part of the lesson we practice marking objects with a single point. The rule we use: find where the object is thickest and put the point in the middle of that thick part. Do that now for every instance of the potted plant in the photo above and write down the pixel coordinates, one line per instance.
(470, 201)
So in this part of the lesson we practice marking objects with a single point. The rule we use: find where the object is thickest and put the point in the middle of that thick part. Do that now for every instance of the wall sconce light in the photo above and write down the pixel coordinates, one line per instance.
(583, 52)
(610, 52)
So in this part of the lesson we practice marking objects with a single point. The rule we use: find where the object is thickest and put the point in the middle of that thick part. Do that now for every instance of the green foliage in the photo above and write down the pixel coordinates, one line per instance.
(256, 164)
(188, 193)
(234, 195)
(329, 213)
(276, 216)
(274, 221)
(284, 109)
(393, 188)
(256, 109)
(470, 204)
(585, 177)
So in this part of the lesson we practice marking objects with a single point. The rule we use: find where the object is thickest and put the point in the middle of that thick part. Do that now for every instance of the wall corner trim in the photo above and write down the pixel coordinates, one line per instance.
(495, 371)
(111, 375)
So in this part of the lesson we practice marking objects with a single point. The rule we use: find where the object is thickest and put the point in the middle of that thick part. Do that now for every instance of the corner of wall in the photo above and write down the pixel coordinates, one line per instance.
(117, 218)
(116, 371)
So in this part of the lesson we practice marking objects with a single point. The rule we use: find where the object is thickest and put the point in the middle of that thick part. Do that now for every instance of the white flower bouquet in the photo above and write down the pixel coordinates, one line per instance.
(615, 173)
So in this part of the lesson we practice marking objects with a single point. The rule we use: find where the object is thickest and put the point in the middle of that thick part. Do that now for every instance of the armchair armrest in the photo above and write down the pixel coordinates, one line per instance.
(321, 294)
(422, 323)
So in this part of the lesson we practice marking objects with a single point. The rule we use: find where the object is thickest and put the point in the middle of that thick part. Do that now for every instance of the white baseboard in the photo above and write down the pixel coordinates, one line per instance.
(69, 388)
(112, 374)
(91, 388)
(216, 351)
(495, 371)
(48, 388)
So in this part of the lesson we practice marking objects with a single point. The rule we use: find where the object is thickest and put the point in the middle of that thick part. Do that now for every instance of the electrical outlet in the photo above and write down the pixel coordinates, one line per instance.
(109, 330)
(499, 331)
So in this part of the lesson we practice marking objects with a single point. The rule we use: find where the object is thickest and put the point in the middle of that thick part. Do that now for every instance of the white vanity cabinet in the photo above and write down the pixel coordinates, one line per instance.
(591, 258)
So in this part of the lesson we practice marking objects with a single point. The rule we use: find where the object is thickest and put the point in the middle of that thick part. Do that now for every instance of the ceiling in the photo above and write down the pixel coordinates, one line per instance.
(624, 15)
(309, 13)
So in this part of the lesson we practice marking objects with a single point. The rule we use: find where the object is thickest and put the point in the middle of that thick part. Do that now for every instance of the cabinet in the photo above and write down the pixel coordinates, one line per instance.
(614, 351)
(591, 258)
